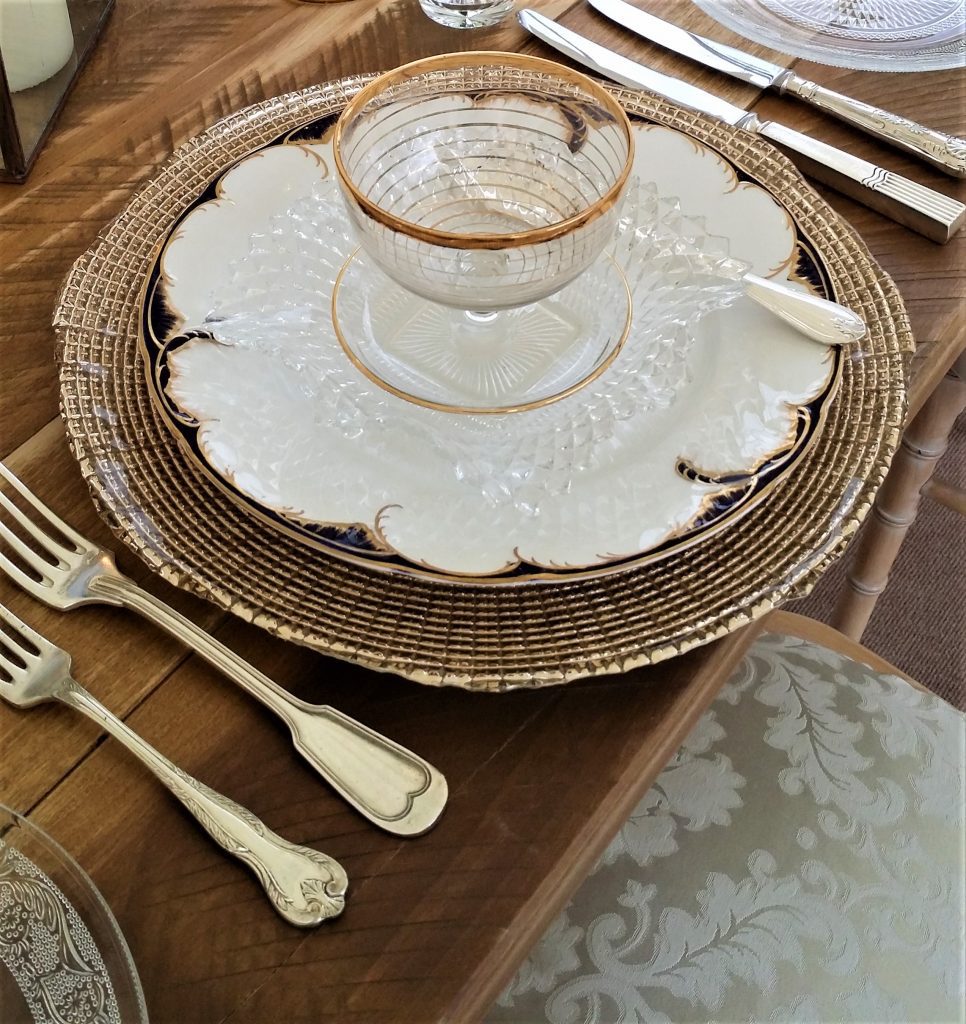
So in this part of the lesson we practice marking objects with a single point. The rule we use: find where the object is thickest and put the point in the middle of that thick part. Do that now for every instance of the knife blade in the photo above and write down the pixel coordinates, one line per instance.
(947, 152)
(932, 214)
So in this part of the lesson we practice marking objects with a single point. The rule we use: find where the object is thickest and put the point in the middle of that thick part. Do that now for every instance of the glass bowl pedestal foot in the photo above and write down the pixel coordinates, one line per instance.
(462, 361)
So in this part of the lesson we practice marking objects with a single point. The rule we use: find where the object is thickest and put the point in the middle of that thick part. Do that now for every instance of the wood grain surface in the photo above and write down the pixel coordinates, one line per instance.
(539, 781)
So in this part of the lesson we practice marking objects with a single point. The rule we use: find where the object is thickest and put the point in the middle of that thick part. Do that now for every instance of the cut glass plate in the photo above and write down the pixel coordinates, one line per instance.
(868, 35)
(63, 959)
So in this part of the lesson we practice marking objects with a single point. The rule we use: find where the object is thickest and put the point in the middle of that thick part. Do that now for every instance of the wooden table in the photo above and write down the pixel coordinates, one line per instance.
(539, 781)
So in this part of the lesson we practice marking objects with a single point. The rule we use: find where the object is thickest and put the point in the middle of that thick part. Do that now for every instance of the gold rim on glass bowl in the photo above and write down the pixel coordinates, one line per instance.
(480, 410)
(483, 59)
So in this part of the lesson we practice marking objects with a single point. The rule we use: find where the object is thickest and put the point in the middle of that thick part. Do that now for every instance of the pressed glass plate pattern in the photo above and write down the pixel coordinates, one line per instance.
(479, 636)
(46, 945)
(870, 35)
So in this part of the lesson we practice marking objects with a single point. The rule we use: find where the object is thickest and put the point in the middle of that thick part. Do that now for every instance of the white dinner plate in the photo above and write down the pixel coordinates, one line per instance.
(709, 405)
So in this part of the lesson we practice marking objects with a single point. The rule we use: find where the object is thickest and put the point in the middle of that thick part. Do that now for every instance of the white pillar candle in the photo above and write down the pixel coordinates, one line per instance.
(35, 39)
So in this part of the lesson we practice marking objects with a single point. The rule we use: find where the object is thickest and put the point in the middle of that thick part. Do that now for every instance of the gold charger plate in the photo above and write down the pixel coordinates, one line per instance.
(433, 631)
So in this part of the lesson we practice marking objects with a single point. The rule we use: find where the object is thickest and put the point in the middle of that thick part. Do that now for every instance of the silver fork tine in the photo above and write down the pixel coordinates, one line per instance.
(35, 561)
(80, 543)
(31, 527)
(35, 589)
(8, 647)
(21, 628)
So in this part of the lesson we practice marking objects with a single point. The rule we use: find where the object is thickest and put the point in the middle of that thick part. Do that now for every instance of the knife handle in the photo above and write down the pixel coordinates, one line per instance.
(930, 213)
(947, 152)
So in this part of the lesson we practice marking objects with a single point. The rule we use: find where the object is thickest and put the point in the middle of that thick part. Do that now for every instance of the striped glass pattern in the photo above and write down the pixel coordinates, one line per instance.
(485, 187)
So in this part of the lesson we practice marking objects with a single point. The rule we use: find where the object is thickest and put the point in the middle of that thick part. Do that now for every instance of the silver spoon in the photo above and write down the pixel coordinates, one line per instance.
(819, 319)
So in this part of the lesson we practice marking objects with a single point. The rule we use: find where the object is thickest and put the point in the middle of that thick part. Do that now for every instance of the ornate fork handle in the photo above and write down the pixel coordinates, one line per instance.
(947, 152)
(390, 785)
(306, 887)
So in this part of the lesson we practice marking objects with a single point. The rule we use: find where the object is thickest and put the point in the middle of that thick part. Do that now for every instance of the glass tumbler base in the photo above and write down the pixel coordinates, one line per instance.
(469, 14)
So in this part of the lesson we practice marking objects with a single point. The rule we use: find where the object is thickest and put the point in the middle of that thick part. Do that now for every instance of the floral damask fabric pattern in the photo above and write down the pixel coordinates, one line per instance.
(801, 858)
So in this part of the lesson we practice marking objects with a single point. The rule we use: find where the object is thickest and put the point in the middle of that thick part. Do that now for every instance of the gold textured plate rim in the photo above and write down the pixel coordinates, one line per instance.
(476, 637)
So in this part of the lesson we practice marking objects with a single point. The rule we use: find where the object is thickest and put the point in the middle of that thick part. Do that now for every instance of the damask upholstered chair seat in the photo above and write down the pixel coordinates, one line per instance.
(799, 859)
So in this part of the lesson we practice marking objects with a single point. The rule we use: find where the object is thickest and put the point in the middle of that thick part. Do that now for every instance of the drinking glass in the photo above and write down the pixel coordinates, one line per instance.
(480, 186)
(466, 13)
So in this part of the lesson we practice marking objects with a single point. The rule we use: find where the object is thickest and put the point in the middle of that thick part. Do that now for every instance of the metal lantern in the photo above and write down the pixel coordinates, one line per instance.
(43, 46)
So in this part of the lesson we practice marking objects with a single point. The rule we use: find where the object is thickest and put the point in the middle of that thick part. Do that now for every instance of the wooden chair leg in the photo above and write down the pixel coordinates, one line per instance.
(923, 443)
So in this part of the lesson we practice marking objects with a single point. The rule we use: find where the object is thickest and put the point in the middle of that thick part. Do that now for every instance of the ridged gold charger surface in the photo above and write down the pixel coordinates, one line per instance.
(488, 635)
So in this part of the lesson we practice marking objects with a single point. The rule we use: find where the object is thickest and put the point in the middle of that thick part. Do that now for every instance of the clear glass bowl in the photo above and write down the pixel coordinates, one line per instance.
(62, 955)
(483, 181)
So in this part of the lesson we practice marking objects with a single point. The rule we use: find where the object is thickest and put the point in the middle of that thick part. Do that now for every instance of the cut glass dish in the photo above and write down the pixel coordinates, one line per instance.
(483, 181)
(62, 956)
(868, 35)
(477, 198)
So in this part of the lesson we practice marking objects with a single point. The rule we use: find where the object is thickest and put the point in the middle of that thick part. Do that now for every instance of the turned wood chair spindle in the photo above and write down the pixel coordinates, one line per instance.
(923, 444)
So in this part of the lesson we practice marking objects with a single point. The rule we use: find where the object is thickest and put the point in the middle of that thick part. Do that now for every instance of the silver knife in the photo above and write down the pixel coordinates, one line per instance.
(930, 213)
(947, 152)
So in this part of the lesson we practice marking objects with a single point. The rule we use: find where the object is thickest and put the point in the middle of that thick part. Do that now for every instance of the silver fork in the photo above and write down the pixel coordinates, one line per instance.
(393, 787)
(306, 887)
